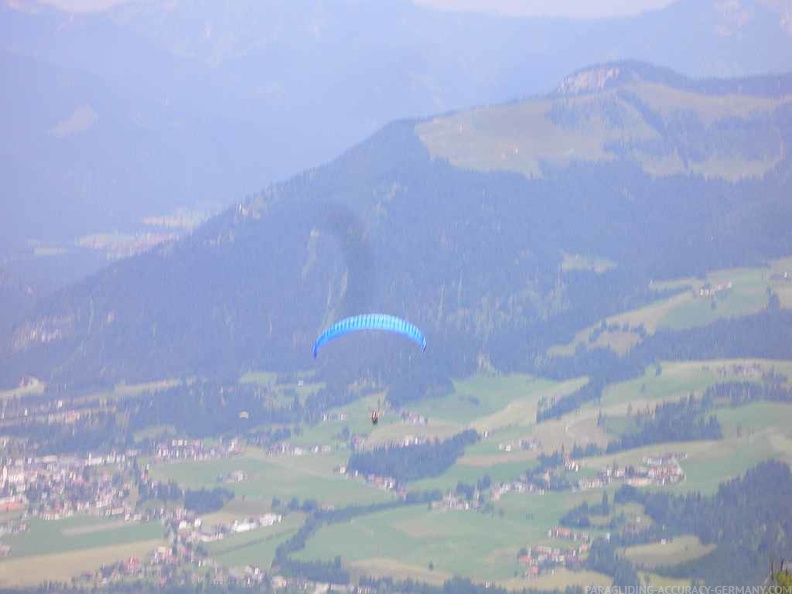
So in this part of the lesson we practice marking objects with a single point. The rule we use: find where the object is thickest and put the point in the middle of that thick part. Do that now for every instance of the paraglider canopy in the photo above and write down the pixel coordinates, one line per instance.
(374, 321)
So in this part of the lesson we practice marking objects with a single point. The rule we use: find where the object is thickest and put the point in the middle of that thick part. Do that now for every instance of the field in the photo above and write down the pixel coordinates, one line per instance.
(60, 549)
(122, 390)
(687, 309)
(709, 463)
(256, 547)
(33, 388)
(357, 420)
(32, 570)
(433, 545)
(678, 379)
(284, 477)
(661, 581)
(582, 262)
(78, 532)
(489, 402)
(521, 136)
(470, 473)
(237, 509)
(284, 392)
(674, 551)
(472, 544)
(757, 418)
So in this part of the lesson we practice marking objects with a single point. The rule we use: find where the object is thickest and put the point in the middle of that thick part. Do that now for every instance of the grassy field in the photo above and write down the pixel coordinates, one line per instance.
(76, 533)
(238, 509)
(521, 411)
(687, 309)
(489, 402)
(666, 100)
(472, 544)
(389, 429)
(396, 431)
(782, 286)
(456, 543)
(123, 390)
(302, 386)
(673, 552)
(583, 262)
(649, 316)
(256, 547)
(521, 136)
(748, 295)
(262, 378)
(678, 379)
(470, 473)
(756, 417)
(383, 567)
(710, 463)
(661, 581)
(34, 569)
(309, 476)
(559, 580)
(36, 387)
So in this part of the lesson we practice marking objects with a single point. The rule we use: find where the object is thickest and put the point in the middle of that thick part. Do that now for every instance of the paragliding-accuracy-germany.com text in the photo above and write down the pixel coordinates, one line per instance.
(685, 589)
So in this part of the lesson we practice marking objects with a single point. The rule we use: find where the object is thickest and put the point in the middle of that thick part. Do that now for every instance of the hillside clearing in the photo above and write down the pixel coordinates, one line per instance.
(35, 569)
(674, 551)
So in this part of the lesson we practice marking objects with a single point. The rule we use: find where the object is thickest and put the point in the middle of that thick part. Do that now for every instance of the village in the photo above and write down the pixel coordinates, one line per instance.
(180, 450)
(53, 487)
(655, 471)
(543, 559)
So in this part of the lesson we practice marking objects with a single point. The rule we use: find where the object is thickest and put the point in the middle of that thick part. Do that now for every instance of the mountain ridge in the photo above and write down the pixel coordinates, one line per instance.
(246, 78)
(474, 257)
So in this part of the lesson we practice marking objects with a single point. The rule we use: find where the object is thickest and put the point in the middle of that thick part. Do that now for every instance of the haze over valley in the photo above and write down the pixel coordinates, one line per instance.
(587, 217)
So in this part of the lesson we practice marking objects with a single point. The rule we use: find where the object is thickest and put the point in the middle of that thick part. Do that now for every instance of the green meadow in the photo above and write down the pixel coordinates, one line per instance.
(480, 546)
(671, 552)
(747, 295)
(76, 533)
(257, 547)
(310, 476)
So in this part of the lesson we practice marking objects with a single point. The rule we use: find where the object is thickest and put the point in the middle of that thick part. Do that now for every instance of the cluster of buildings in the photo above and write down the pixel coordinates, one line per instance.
(454, 501)
(53, 487)
(413, 418)
(562, 533)
(655, 471)
(384, 483)
(179, 450)
(194, 530)
(543, 559)
(709, 290)
(408, 441)
(286, 449)
(524, 445)
(516, 486)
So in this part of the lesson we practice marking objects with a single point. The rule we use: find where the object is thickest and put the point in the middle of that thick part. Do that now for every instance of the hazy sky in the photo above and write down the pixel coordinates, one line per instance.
(555, 8)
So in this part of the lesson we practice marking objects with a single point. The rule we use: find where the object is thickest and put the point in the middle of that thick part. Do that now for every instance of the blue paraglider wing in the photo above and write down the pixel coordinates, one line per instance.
(370, 322)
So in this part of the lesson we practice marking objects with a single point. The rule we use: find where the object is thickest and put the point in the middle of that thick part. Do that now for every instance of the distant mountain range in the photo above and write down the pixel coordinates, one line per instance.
(151, 106)
(462, 223)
